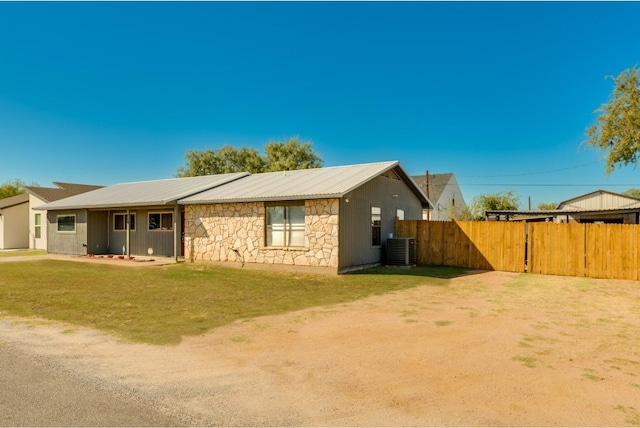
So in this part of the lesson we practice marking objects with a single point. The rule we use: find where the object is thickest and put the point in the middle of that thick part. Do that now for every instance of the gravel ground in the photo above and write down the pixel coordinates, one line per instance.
(38, 391)
(489, 349)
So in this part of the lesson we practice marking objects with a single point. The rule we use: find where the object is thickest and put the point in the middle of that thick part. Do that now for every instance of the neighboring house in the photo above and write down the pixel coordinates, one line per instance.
(14, 222)
(600, 206)
(445, 194)
(37, 233)
(336, 217)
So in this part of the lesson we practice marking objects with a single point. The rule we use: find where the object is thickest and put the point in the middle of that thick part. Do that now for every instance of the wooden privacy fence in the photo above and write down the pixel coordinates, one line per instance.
(593, 250)
(574, 249)
(470, 244)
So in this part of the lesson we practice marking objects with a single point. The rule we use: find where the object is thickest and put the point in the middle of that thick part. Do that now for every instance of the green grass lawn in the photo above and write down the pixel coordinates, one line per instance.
(161, 304)
(22, 253)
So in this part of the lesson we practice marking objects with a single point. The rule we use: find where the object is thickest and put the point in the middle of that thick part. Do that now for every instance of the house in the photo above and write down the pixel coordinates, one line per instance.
(14, 222)
(338, 217)
(335, 217)
(445, 194)
(37, 232)
(600, 206)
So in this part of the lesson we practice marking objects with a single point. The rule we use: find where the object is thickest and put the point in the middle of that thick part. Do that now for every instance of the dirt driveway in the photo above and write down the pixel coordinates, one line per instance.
(489, 349)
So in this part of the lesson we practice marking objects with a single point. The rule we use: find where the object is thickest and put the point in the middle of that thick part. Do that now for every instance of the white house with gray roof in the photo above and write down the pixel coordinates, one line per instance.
(14, 222)
(445, 194)
(37, 234)
(335, 217)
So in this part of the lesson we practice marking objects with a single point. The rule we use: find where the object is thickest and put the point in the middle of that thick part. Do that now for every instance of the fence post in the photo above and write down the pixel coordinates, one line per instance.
(584, 252)
(526, 246)
(418, 241)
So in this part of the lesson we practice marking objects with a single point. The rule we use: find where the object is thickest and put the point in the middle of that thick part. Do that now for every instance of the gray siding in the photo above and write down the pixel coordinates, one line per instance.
(97, 232)
(141, 239)
(95, 229)
(67, 242)
(355, 218)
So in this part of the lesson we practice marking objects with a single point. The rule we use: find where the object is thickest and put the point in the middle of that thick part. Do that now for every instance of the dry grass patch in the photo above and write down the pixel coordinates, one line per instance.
(162, 304)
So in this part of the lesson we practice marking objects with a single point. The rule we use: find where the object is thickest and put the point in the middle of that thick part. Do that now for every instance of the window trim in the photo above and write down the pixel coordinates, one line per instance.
(37, 226)
(66, 231)
(374, 226)
(287, 226)
(160, 213)
(132, 229)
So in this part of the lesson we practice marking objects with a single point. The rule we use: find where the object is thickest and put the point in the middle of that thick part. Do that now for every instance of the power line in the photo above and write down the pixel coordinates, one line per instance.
(547, 185)
(531, 173)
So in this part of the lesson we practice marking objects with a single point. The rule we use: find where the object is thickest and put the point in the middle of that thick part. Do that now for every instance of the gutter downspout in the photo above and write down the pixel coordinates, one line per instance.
(108, 231)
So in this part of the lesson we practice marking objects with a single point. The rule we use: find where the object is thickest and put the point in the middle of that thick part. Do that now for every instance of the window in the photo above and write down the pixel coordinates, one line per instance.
(160, 221)
(400, 214)
(119, 222)
(376, 226)
(66, 223)
(38, 226)
(285, 224)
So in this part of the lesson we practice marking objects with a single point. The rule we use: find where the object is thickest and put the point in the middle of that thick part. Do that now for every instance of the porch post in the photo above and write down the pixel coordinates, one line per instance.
(176, 232)
(127, 223)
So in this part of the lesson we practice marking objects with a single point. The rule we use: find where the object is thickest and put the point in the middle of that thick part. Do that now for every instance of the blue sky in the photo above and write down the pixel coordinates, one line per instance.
(499, 93)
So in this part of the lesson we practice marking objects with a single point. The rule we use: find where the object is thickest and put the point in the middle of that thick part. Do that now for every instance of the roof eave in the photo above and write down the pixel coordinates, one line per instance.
(426, 203)
(106, 206)
(424, 200)
(263, 199)
(13, 205)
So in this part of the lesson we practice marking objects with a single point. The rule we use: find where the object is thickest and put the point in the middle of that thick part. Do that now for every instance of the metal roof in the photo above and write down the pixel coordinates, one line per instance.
(316, 183)
(561, 211)
(142, 193)
(633, 202)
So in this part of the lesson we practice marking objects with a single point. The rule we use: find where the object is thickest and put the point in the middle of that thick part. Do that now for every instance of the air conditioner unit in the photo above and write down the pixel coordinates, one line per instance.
(401, 251)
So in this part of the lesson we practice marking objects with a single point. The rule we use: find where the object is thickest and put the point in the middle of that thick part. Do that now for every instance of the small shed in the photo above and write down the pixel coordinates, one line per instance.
(600, 206)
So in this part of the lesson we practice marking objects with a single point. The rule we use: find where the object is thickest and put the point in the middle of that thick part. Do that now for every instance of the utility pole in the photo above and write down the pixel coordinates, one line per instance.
(426, 191)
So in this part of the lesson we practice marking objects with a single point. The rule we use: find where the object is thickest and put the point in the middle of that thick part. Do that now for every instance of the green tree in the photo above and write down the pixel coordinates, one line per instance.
(493, 201)
(546, 206)
(455, 213)
(291, 155)
(617, 130)
(279, 156)
(634, 193)
(12, 188)
(224, 160)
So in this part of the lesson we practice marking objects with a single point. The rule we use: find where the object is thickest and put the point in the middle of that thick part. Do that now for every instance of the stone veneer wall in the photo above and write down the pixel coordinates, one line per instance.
(215, 232)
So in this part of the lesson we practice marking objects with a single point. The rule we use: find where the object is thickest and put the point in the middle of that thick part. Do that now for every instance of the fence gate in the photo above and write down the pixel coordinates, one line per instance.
(573, 249)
